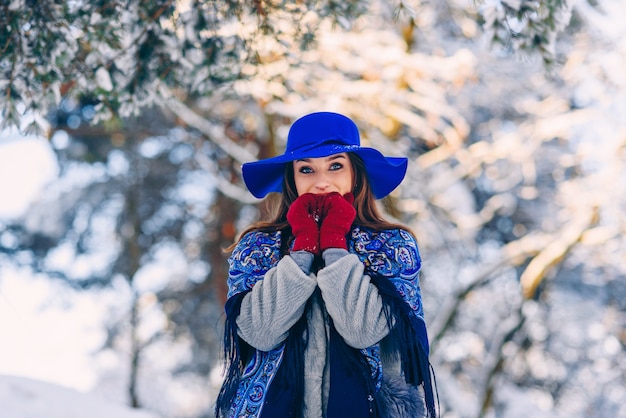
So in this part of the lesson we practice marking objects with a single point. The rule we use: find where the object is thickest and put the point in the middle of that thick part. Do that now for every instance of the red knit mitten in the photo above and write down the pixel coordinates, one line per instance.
(339, 215)
(302, 218)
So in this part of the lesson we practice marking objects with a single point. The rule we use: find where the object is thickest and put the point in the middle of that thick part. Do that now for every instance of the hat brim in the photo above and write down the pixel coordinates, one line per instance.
(384, 173)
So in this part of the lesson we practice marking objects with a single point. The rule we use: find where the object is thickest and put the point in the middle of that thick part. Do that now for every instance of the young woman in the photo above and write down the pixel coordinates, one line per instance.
(324, 314)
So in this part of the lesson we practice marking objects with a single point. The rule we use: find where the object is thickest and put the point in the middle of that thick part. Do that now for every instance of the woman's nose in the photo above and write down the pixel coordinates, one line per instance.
(322, 183)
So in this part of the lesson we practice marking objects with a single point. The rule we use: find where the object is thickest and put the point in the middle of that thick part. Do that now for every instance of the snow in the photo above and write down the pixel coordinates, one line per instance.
(22, 179)
(40, 317)
(21, 397)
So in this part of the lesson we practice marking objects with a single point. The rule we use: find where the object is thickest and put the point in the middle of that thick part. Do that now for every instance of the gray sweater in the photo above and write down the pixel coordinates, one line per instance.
(277, 302)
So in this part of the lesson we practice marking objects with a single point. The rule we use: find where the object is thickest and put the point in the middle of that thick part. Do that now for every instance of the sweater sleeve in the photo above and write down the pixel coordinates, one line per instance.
(353, 302)
(274, 305)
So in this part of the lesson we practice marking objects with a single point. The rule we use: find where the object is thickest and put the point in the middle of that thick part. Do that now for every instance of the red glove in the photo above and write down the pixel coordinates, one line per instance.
(302, 216)
(339, 215)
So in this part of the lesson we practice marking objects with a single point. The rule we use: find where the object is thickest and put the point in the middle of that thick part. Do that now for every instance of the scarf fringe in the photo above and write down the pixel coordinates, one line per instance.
(235, 353)
(408, 339)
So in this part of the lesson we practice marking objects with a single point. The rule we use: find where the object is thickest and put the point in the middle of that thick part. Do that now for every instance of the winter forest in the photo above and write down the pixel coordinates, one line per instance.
(512, 114)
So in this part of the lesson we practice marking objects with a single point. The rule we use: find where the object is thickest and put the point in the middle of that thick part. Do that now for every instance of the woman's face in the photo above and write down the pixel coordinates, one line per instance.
(324, 175)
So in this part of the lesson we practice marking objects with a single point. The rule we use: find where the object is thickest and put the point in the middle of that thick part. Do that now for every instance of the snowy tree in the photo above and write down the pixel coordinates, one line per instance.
(116, 53)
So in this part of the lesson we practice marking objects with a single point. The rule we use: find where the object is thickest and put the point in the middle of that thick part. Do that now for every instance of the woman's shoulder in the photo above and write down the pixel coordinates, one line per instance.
(256, 251)
(390, 252)
(397, 236)
(260, 236)
(256, 240)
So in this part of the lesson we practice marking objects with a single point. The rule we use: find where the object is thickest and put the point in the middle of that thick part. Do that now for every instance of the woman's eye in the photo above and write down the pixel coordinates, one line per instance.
(305, 170)
(336, 166)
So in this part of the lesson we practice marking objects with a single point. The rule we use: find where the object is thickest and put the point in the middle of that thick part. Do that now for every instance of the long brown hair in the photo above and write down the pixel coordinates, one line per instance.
(277, 204)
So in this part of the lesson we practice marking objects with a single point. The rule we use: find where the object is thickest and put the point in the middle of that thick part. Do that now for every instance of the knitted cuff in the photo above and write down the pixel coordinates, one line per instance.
(303, 259)
(333, 254)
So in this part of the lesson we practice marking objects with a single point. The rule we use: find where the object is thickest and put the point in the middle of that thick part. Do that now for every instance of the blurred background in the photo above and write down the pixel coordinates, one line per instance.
(124, 128)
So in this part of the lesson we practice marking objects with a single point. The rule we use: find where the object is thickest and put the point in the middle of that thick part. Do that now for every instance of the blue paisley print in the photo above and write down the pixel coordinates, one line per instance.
(256, 253)
(255, 382)
(392, 254)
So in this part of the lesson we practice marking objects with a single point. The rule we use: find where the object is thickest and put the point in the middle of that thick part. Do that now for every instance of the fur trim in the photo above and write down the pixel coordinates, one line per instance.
(399, 399)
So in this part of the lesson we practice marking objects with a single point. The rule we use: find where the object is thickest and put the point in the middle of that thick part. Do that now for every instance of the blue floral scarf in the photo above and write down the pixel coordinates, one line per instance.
(391, 259)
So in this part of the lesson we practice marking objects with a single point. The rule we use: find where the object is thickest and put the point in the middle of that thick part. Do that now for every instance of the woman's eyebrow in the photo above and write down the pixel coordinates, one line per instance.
(331, 158)
(335, 157)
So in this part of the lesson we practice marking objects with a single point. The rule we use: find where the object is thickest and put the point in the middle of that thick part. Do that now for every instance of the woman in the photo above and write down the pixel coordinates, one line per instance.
(324, 314)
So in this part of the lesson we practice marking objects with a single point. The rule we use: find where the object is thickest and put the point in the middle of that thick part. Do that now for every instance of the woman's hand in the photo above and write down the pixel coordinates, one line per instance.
(339, 213)
(303, 215)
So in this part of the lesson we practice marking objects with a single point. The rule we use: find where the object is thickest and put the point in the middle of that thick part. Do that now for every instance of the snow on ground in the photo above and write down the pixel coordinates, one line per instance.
(50, 332)
(27, 398)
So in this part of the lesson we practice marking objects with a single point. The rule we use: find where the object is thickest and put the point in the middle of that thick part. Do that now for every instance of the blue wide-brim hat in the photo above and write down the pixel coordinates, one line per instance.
(319, 135)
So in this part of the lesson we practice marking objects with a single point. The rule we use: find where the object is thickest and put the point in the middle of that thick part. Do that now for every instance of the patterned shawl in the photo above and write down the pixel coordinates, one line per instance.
(391, 259)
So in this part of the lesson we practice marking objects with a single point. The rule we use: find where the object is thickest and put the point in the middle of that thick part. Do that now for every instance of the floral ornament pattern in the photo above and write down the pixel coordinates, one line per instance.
(394, 255)
(255, 255)
(255, 382)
